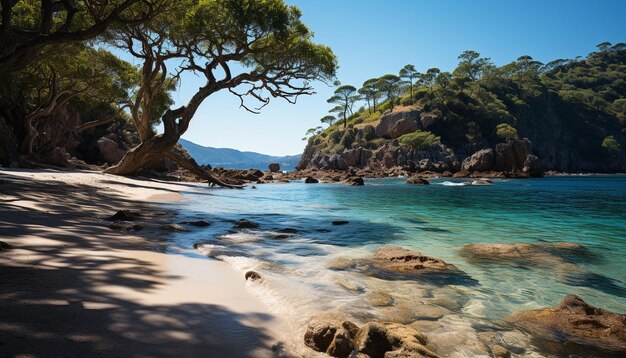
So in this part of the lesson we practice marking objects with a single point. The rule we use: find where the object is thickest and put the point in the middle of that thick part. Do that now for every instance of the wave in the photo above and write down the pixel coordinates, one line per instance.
(451, 183)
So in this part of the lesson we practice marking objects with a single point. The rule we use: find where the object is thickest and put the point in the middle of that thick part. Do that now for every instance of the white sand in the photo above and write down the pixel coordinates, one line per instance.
(74, 287)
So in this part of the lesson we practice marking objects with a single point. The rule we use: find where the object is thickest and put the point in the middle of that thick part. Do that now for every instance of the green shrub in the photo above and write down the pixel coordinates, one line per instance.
(505, 130)
(611, 145)
(335, 137)
(348, 138)
(420, 140)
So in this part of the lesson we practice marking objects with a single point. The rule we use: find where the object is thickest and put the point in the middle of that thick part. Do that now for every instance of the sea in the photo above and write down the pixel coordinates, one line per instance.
(296, 249)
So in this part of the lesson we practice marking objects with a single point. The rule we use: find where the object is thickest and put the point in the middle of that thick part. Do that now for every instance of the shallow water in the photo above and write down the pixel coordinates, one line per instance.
(437, 220)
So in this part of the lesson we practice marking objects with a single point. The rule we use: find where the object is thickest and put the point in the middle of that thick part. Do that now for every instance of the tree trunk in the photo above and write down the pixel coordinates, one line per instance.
(29, 137)
(156, 148)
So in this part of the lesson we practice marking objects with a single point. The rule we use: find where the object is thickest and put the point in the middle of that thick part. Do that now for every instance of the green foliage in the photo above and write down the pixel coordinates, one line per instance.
(420, 140)
(505, 130)
(611, 145)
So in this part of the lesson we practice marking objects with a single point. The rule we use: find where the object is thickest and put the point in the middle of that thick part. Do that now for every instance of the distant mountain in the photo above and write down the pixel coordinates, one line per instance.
(235, 159)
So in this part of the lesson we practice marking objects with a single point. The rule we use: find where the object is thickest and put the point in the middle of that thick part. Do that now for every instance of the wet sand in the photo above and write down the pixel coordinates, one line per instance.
(71, 286)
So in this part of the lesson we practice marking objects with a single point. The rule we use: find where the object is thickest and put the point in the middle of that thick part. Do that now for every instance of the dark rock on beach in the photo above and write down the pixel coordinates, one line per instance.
(578, 326)
(311, 180)
(331, 337)
(4, 246)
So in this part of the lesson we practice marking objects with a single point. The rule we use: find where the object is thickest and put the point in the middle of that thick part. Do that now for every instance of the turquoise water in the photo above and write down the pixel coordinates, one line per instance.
(437, 220)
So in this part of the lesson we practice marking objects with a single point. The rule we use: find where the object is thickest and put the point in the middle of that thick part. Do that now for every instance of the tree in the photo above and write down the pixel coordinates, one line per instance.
(47, 86)
(505, 131)
(389, 85)
(371, 93)
(312, 132)
(328, 119)
(409, 73)
(344, 98)
(471, 67)
(29, 26)
(430, 77)
(604, 46)
(253, 49)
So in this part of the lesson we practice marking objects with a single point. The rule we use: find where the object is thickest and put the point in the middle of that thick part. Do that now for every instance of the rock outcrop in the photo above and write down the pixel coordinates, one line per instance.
(373, 339)
(393, 125)
(577, 325)
(481, 161)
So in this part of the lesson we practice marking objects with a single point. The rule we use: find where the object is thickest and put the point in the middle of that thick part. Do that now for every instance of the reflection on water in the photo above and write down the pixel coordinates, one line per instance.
(296, 241)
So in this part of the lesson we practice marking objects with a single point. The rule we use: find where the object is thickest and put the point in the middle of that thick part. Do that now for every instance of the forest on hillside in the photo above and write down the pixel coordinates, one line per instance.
(572, 110)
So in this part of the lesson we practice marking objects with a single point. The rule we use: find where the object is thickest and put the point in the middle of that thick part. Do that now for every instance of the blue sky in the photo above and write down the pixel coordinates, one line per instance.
(372, 38)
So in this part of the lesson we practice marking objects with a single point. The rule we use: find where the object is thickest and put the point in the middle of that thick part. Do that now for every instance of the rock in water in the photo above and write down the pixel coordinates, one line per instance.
(393, 262)
(576, 324)
(311, 180)
(481, 161)
(199, 223)
(355, 181)
(417, 180)
(253, 276)
(340, 222)
(123, 215)
(246, 224)
(391, 340)
(274, 167)
(331, 337)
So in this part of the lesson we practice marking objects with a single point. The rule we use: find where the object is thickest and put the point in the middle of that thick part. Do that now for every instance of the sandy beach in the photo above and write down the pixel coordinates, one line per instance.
(71, 286)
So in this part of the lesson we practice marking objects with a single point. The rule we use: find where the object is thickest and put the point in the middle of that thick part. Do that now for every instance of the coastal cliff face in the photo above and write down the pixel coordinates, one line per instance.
(513, 156)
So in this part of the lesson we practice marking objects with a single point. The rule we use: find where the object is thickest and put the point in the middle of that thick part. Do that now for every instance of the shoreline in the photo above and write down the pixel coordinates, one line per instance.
(74, 286)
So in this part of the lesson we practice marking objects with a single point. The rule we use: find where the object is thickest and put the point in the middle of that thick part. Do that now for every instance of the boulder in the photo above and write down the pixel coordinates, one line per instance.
(481, 161)
(395, 124)
(391, 340)
(417, 180)
(252, 276)
(356, 157)
(311, 180)
(577, 325)
(274, 167)
(198, 223)
(355, 181)
(110, 150)
(332, 337)
(532, 167)
(511, 155)
(123, 215)
(337, 162)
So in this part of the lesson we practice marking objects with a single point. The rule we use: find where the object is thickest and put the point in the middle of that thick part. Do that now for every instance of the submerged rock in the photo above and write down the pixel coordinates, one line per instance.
(340, 222)
(577, 325)
(173, 227)
(524, 253)
(125, 226)
(198, 223)
(393, 262)
(355, 181)
(246, 224)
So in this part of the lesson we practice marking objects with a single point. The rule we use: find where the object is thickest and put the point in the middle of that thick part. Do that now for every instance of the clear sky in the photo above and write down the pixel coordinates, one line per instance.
(375, 37)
